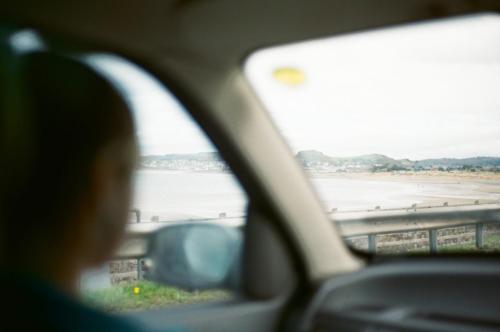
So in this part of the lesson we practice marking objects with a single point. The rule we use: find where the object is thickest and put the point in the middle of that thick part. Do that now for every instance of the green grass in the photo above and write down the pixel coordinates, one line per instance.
(119, 298)
(491, 243)
(451, 248)
(402, 251)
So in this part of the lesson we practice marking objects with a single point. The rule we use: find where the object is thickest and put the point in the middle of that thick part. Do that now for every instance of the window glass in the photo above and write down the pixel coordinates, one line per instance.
(398, 129)
(180, 178)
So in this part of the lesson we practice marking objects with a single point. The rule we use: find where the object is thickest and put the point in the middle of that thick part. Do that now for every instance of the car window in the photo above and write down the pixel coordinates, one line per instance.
(180, 178)
(397, 129)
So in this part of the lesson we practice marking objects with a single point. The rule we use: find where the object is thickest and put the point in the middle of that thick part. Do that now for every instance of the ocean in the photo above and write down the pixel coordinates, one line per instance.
(174, 195)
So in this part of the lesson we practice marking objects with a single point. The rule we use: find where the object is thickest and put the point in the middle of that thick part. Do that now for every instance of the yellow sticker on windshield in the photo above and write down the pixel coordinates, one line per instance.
(289, 76)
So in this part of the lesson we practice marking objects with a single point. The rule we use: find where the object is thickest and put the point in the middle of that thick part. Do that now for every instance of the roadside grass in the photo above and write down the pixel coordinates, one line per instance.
(491, 243)
(456, 248)
(401, 250)
(142, 295)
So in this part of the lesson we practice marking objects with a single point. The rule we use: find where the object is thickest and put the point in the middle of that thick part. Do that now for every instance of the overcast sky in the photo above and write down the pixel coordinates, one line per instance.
(430, 90)
(417, 92)
(163, 125)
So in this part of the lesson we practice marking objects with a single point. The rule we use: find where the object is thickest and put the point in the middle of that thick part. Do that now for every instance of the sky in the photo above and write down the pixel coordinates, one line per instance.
(422, 91)
(163, 125)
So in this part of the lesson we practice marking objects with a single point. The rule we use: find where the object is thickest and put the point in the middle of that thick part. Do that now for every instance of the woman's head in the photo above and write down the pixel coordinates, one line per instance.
(73, 190)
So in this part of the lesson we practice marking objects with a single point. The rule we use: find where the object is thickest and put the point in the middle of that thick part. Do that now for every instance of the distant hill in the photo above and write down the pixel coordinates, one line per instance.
(203, 161)
(317, 156)
(311, 158)
(452, 162)
(201, 156)
(316, 160)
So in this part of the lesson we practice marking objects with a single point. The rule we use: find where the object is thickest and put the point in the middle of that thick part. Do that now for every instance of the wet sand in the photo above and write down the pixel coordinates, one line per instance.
(485, 184)
(425, 176)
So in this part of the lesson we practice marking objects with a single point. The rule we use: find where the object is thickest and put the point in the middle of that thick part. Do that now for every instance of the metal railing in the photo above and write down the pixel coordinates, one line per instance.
(432, 236)
(371, 225)
(367, 224)
(374, 223)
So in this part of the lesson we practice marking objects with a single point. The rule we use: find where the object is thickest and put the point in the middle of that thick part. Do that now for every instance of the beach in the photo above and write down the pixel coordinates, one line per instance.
(425, 188)
(174, 195)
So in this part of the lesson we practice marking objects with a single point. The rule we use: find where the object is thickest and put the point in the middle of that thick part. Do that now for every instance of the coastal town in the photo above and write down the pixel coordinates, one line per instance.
(197, 162)
(318, 162)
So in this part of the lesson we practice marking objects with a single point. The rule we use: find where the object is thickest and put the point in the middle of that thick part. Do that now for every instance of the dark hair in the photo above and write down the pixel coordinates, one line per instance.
(68, 113)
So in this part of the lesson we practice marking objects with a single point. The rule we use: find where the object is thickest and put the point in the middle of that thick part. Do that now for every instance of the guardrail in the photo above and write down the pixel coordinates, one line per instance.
(357, 224)
(374, 223)
(371, 223)
(432, 236)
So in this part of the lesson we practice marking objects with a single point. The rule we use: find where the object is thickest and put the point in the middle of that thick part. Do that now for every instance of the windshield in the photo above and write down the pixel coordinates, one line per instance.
(398, 130)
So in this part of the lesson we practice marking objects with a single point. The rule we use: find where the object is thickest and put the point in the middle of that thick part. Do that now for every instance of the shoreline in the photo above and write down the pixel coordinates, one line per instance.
(485, 184)
(421, 176)
(181, 171)
(425, 176)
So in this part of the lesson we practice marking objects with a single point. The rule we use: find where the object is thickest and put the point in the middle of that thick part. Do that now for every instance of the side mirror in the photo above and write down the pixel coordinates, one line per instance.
(195, 256)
